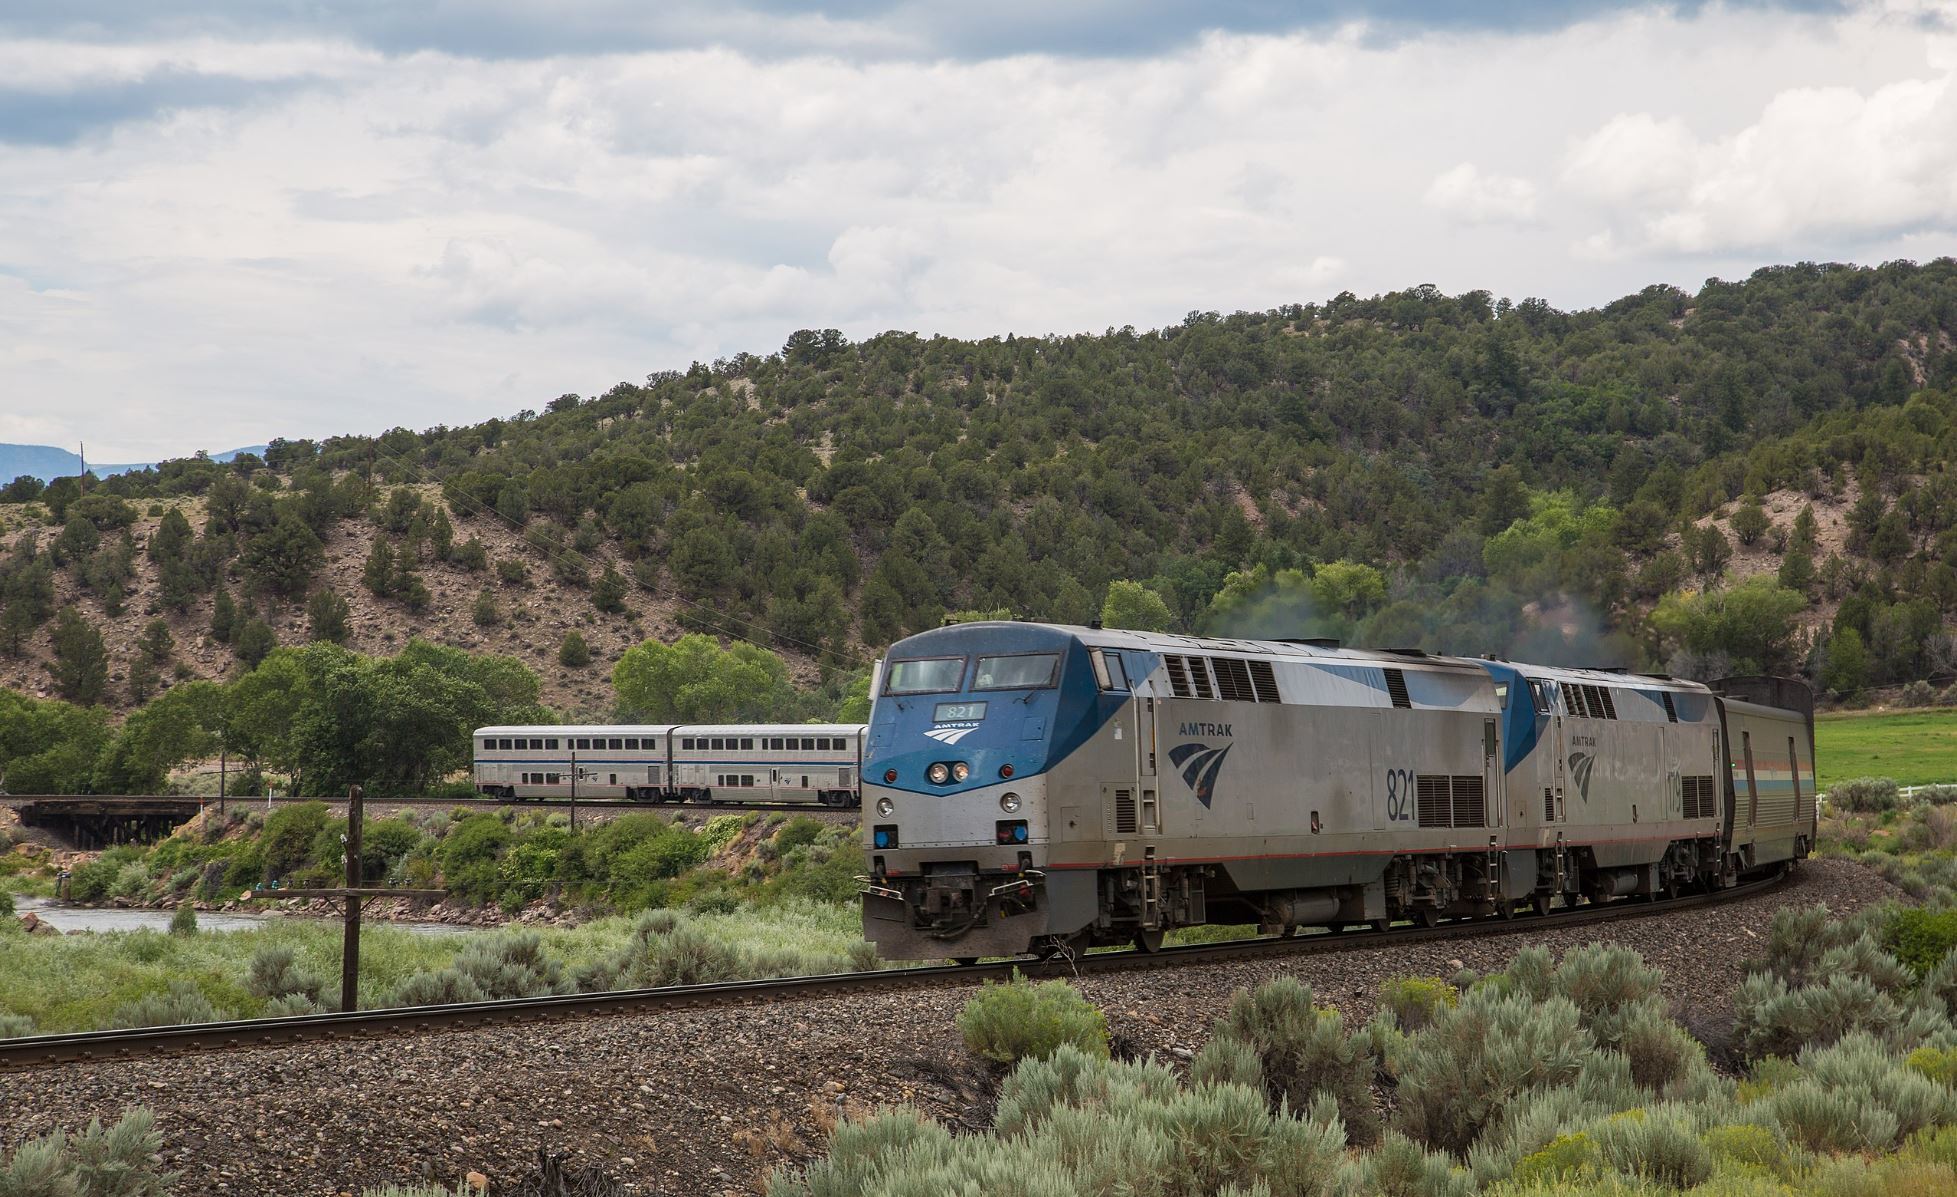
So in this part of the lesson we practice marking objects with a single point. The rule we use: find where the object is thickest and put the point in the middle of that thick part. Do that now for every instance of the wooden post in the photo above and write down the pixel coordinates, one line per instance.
(574, 789)
(223, 759)
(350, 946)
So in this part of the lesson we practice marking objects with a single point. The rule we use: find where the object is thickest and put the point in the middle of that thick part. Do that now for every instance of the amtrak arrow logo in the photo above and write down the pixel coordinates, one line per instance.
(1580, 765)
(1200, 764)
(950, 735)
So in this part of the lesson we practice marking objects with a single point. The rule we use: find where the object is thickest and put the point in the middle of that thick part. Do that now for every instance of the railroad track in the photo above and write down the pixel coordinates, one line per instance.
(146, 801)
(40, 1051)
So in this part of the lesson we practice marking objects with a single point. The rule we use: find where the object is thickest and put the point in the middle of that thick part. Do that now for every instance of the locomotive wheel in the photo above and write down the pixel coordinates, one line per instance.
(1149, 941)
(1426, 916)
(1541, 904)
(1382, 925)
(966, 961)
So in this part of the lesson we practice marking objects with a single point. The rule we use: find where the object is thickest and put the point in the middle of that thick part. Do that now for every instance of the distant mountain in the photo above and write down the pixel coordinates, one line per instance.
(48, 463)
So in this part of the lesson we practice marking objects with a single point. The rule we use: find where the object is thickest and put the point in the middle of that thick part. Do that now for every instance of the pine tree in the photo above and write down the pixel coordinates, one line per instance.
(609, 593)
(224, 617)
(81, 661)
(254, 642)
(143, 678)
(327, 614)
(378, 573)
(157, 644)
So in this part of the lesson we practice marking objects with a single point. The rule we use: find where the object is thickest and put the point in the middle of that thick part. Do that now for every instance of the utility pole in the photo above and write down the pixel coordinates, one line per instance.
(574, 788)
(354, 892)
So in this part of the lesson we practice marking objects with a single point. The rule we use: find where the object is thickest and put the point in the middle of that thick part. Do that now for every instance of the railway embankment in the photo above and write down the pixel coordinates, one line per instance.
(705, 1100)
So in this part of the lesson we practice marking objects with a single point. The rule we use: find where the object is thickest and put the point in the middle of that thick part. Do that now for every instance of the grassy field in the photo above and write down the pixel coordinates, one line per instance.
(1914, 747)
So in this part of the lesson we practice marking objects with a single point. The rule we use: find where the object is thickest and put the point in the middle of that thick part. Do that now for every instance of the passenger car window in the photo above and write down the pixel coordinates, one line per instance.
(1028, 671)
(935, 675)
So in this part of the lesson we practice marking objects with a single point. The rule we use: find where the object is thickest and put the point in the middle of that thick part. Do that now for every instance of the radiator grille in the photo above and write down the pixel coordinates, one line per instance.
(1265, 681)
(1126, 821)
(1701, 797)
(1457, 801)
(1178, 677)
(1233, 680)
(1548, 805)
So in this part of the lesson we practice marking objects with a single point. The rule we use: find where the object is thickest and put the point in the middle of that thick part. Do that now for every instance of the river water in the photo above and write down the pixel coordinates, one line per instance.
(63, 917)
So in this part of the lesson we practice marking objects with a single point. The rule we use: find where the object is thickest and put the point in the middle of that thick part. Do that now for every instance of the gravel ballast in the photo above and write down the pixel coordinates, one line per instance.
(706, 1101)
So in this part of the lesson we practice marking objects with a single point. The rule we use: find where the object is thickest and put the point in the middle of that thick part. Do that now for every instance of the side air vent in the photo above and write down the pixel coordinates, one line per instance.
(1457, 801)
(1610, 704)
(1396, 687)
(1233, 680)
(1265, 681)
(1548, 805)
(1199, 677)
(1126, 821)
(1178, 677)
(1700, 797)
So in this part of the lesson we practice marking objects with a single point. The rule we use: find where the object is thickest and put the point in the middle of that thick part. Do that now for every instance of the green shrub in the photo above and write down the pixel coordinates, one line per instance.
(14, 1026)
(290, 835)
(184, 921)
(1664, 1058)
(1021, 1019)
(1939, 1065)
(1748, 1145)
(469, 855)
(1566, 1157)
(90, 882)
(1304, 1051)
(1413, 1001)
(683, 956)
(183, 1003)
(1865, 795)
(1770, 1019)
(1920, 939)
(115, 1161)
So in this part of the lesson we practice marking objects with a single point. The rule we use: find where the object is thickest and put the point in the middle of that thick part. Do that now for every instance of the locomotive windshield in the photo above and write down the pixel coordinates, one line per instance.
(936, 675)
(1028, 671)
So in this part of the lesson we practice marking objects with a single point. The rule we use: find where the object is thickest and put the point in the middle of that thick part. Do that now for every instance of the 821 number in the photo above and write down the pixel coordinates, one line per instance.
(1399, 795)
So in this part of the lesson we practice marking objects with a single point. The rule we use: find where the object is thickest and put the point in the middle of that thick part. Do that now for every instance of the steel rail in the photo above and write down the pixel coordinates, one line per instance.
(40, 1051)
(247, 801)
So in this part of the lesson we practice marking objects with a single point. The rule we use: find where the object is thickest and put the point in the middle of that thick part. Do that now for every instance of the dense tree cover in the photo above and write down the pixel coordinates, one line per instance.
(1458, 472)
(694, 680)
(325, 716)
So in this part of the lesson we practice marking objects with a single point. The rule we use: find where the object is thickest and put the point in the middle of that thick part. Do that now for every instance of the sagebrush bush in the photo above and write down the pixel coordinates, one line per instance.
(1227, 1061)
(181, 1004)
(512, 964)
(1749, 1145)
(184, 921)
(1304, 1051)
(14, 1026)
(1413, 1001)
(1655, 1145)
(1771, 1019)
(98, 1161)
(1020, 1019)
(1567, 1157)
(1458, 1074)
(1865, 795)
(440, 987)
(275, 973)
(1399, 1167)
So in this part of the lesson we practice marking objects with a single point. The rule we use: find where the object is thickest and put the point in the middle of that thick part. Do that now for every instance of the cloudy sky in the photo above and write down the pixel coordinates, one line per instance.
(227, 220)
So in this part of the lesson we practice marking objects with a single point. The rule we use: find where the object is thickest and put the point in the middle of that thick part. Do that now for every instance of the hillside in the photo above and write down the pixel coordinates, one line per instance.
(1452, 471)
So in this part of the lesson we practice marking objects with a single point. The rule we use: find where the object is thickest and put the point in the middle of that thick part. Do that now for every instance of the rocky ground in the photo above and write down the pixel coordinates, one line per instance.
(706, 1101)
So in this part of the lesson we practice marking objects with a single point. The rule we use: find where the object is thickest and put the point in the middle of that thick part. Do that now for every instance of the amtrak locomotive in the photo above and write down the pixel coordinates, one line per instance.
(1040, 788)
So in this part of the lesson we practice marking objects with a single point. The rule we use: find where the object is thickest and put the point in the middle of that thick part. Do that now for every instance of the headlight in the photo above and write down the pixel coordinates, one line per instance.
(960, 771)
(937, 774)
(1009, 802)
(885, 806)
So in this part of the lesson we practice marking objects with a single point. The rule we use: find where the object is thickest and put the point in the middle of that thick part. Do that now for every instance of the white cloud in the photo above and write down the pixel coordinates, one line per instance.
(428, 239)
(1470, 195)
(1817, 164)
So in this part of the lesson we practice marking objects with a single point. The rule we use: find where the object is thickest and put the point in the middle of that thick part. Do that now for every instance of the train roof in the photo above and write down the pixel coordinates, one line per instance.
(1314, 650)
(660, 729)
